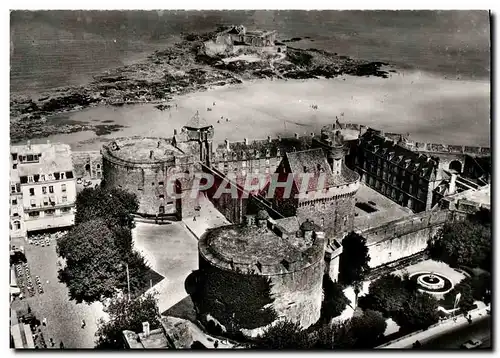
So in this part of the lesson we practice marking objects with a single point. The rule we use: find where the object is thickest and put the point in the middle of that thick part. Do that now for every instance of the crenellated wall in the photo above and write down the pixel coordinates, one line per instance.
(404, 237)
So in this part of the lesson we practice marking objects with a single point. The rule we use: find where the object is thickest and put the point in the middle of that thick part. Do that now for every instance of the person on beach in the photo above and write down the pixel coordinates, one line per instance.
(83, 323)
(216, 344)
(61, 345)
(44, 321)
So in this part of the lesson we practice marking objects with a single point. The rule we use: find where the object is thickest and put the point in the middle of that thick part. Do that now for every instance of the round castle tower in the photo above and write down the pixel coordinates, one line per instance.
(253, 274)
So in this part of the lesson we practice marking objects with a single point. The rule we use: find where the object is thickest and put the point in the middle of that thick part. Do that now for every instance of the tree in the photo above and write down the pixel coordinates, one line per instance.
(95, 266)
(92, 261)
(126, 315)
(114, 206)
(360, 332)
(353, 265)
(466, 243)
(387, 294)
(334, 299)
(418, 312)
(285, 335)
(368, 328)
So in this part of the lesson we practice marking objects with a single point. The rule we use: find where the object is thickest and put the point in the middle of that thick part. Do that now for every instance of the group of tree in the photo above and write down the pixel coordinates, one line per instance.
(353, 264)
(125, 314)
(400, 299)
(465, 243)
(476, 287)
(98, 250)
(360, 332)
(334, 299)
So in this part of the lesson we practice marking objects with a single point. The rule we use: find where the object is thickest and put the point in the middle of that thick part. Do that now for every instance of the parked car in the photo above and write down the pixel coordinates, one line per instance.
(471, 344)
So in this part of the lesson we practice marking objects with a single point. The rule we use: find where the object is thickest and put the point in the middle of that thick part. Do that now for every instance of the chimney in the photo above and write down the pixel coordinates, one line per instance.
(296, 135)
(226, 142)
(175, 131)
(145, 329)
(150, 154)
(269, 139)
(452, 188)
(246, 141)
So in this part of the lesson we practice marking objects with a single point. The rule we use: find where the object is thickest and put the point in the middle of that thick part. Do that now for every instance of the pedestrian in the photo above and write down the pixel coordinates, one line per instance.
(61, 345)
(216, 344)
(83, 323)
(214, 104)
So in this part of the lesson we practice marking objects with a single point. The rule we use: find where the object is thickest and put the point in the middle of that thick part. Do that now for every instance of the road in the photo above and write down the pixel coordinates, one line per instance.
(63, 316)
(478, 330)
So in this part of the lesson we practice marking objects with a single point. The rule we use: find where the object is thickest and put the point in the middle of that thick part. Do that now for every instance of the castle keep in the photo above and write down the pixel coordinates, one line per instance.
(255, 273)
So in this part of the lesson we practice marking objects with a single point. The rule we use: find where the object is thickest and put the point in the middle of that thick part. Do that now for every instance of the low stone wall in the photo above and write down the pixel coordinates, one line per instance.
(405, 237)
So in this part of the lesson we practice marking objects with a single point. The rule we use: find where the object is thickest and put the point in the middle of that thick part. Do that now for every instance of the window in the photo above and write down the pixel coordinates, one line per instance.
(44, 190)
(65, 210)
(14, 201)
(63, 188)
(51, 177)
(30, 179)
(13, 189)
(30, 157)
(160, 183)
(15, 214)
(98, 166)
(42, 177)
(51, 189)
(33, 203)
(34, 214)
(62, 175)
(50, 212)
(52, 199)
(14, 166)
(17, 225)
(32, 191)
(162, 196)
(64, 199)
(45, 200)
(14, 156)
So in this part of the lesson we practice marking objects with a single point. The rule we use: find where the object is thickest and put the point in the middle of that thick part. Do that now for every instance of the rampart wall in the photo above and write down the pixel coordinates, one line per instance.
(404, 237)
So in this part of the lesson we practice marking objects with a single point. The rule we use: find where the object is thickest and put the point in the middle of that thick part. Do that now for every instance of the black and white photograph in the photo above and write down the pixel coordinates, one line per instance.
(250, 179)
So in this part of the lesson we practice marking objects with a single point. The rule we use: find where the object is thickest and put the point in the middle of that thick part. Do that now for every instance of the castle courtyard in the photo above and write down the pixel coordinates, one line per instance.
(172, 251)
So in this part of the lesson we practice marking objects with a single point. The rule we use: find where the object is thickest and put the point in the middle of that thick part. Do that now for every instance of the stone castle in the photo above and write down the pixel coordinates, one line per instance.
(277, 249)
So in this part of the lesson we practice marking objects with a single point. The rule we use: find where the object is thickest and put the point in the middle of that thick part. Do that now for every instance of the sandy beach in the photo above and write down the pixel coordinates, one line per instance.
(428, 107)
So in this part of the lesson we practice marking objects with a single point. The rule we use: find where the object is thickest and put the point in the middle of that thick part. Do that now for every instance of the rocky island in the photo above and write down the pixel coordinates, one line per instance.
(229, 55)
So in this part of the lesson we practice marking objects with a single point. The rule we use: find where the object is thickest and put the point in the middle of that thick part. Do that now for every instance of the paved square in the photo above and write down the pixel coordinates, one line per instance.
(172, 251)
(63, 316)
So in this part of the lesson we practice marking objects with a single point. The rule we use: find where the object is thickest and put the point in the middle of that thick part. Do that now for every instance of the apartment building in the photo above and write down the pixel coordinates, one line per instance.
(43, 186)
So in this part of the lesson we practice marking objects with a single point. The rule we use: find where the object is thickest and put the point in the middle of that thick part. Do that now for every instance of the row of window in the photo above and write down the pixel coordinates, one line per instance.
(48, 212)
(49, 200)
(15, 188)
(46, 177)
(44, 189)
(27, 158)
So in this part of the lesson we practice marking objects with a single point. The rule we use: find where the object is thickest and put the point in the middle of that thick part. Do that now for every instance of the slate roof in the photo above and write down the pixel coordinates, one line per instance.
(262, 148)
(197, 122)
(55, 157)
(417, 163)
(313, 162)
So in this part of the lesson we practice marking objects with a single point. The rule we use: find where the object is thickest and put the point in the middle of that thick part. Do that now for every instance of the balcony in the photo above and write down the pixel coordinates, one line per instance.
(39, 207)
